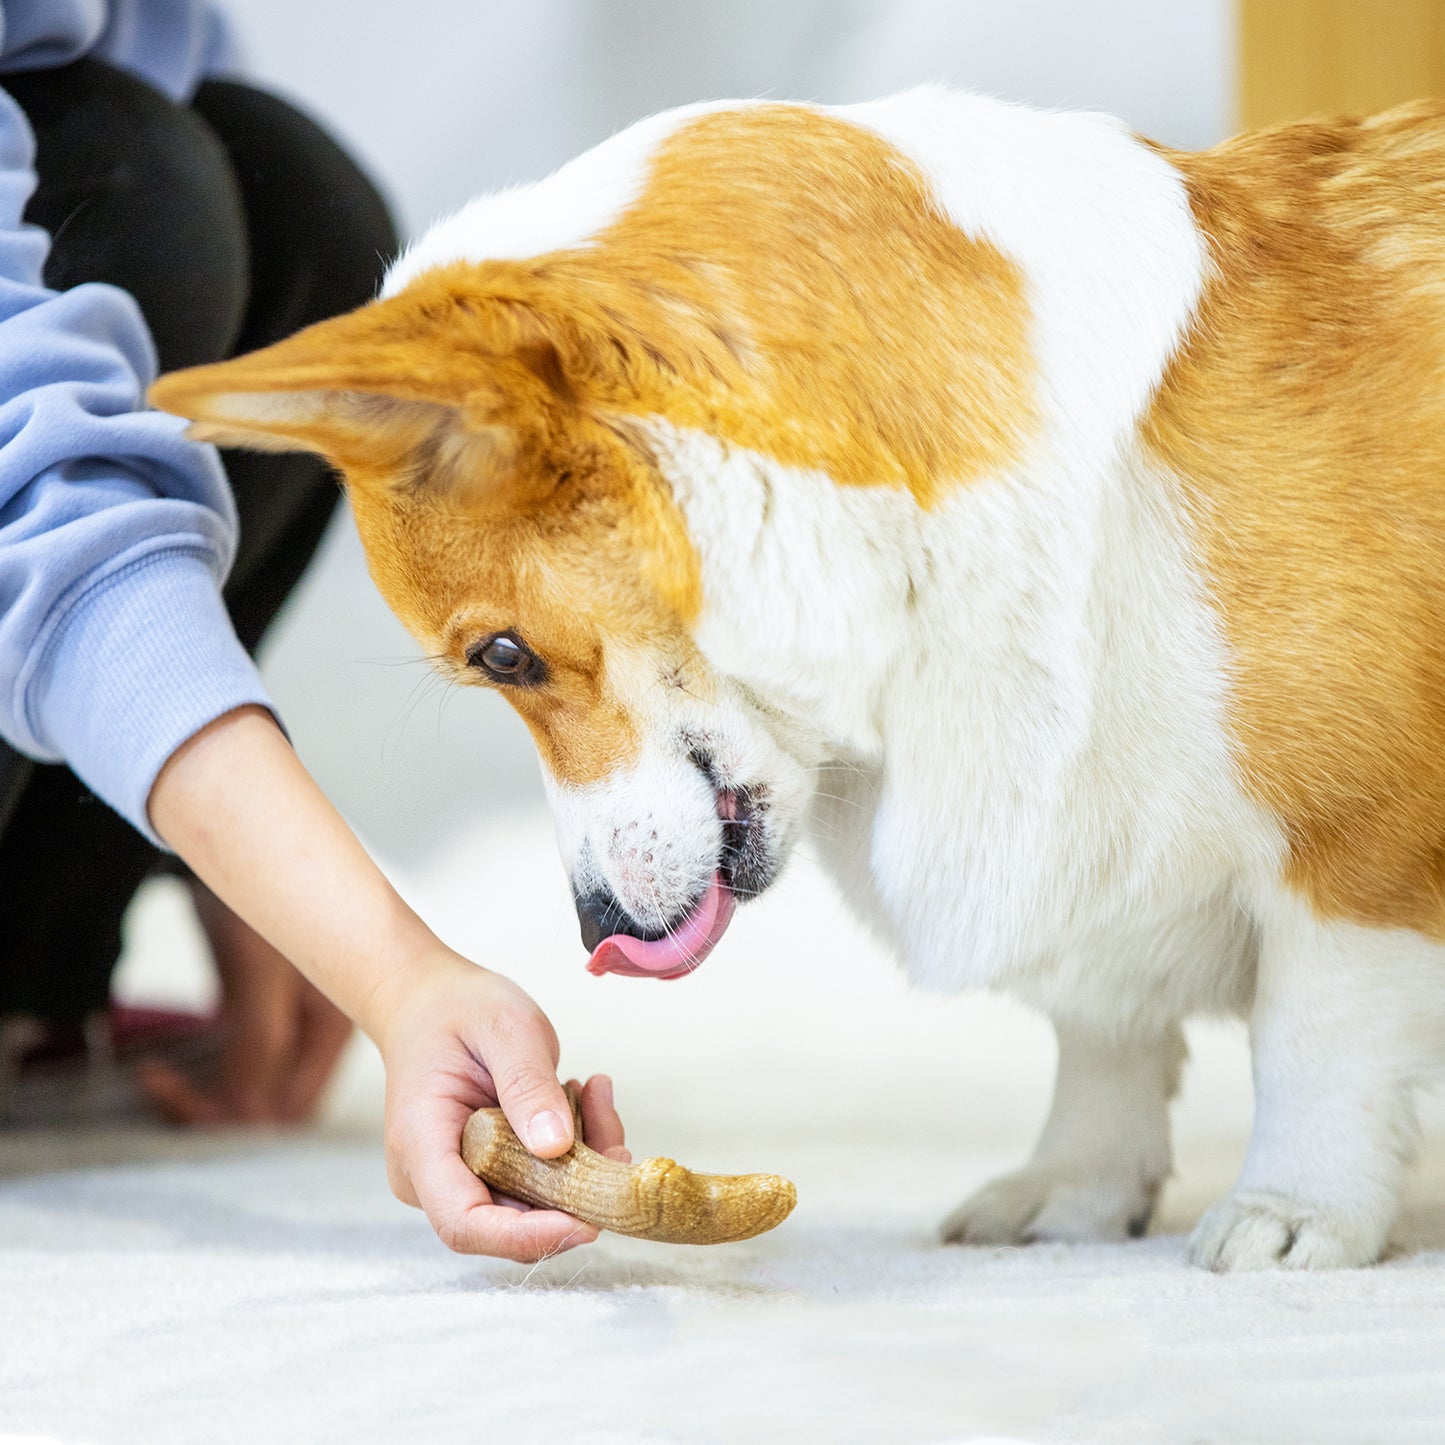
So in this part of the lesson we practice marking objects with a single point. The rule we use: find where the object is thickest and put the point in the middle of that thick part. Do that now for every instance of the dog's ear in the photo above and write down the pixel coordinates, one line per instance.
(433, 372)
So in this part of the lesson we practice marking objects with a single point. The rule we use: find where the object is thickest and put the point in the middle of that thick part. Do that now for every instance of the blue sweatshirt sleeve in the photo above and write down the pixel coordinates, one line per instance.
(116, 533)
(170, 44)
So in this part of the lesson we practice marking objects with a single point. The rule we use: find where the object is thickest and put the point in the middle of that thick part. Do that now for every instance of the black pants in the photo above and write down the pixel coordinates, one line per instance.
(232, 221)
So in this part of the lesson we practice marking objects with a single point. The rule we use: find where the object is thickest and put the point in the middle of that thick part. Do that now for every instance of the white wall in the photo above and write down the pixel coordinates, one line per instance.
(445, 98)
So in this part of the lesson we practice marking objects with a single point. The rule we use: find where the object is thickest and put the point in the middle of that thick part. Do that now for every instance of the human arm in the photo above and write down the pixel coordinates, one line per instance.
(116, 532)
(237, 805)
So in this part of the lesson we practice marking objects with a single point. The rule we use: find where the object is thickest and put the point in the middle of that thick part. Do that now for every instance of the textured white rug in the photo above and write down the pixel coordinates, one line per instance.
(169, 1290)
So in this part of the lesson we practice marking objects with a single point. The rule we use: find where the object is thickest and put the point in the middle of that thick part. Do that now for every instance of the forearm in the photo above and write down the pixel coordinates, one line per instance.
(237, 805)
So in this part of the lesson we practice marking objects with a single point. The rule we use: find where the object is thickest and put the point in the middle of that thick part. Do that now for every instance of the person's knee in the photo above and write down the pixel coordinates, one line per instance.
(321, 233)
(137, 191)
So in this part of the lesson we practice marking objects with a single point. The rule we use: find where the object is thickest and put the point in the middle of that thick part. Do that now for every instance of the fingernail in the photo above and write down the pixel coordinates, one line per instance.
(607, 1090)
(545, 1131)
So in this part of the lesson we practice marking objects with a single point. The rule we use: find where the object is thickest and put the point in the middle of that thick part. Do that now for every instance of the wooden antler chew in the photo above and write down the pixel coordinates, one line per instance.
(655, 1199)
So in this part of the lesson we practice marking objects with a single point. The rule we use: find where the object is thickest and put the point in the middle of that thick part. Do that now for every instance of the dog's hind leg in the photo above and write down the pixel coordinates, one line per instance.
(1347, 1020)
(1103, 1154)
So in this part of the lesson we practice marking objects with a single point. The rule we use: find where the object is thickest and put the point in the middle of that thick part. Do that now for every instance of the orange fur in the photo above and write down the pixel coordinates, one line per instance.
(1306, 418)
(785, 284)
(779, 284)
(485, 499)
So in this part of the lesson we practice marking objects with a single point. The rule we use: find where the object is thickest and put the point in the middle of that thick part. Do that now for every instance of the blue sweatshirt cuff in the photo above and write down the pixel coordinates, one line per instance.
(140, 662)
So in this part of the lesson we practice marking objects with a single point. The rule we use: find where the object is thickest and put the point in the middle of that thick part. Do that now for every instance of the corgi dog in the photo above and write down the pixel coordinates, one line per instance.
(1050, 522)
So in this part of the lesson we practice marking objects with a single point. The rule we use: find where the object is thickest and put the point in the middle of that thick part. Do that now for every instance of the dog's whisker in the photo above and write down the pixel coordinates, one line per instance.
(426, 660)
(420, 691)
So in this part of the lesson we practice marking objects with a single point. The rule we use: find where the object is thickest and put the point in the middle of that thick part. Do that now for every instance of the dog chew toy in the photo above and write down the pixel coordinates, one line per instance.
(655, 1199)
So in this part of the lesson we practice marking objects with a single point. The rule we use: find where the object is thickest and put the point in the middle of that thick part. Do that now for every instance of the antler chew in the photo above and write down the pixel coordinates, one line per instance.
(656, 1199)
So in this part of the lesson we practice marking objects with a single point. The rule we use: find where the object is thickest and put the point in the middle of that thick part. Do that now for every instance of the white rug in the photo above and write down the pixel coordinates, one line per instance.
(171, 1290)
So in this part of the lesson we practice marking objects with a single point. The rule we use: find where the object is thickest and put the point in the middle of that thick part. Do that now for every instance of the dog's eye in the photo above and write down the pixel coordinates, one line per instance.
(504, 657)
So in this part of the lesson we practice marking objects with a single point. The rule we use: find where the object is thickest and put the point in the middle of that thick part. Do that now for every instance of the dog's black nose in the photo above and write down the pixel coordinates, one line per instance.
(601, 915)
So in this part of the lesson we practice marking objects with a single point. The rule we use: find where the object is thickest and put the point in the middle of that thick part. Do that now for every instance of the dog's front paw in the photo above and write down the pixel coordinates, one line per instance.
(1041, 1202)
(1256, 1230)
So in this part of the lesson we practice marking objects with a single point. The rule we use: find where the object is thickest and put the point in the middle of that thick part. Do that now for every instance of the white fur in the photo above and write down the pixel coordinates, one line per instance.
(564, 210)
(1098, 223)
(1103, 1154)
(649, 833)
(1347, 1022)
(1009, 714)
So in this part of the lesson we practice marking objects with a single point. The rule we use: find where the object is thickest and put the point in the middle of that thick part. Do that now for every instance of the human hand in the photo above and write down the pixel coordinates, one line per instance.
(280, 1036)
(457, 1038)
(454, 1037)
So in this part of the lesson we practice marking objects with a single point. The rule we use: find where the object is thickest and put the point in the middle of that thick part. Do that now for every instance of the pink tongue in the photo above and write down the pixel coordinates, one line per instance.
(677, 954)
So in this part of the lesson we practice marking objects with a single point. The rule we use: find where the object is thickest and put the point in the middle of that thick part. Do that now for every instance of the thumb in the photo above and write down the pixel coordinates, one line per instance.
(522, 1060)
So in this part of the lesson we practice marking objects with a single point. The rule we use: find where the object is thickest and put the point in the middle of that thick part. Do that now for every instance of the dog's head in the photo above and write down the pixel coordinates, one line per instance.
(612, 480)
